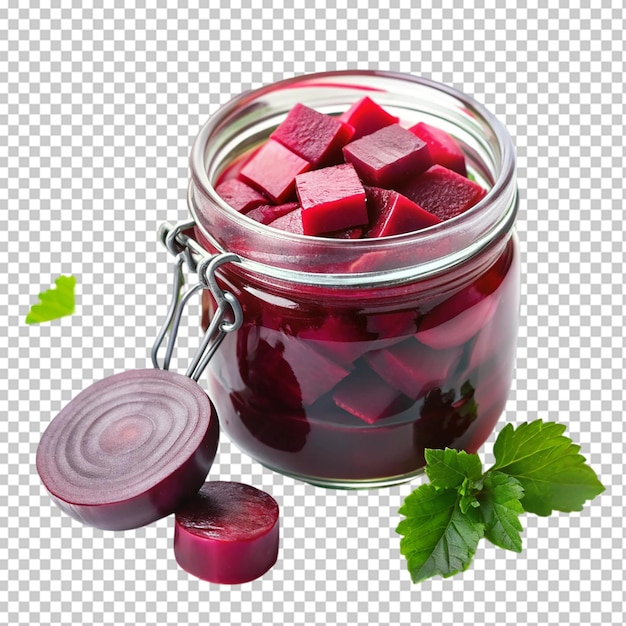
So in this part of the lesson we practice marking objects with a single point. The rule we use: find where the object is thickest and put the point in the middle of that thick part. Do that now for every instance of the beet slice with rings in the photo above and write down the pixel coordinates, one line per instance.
(228, 533)
(129, 449)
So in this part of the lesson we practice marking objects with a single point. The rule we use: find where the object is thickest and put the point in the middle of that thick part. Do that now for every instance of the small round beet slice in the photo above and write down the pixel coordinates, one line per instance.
(228, 533)
(129, 449)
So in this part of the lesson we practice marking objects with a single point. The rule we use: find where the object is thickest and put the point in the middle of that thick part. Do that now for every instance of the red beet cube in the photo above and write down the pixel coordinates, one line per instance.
(267, 213)
(273, 170)
(332, 198)
(290, 222)
(292, 372)
(388, 157)
(240, 196)
(442, 147)
(455, 320)
(367, 396)
(443, 192)
(413, 368)
(392, 213)
(347, 233)
(313, 136)
(366, 117)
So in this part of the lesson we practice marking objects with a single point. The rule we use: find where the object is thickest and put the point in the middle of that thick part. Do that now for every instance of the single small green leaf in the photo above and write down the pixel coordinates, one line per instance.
(547, 465)
(449, 468)
(54, 303)
(500, 508)
(438, 539)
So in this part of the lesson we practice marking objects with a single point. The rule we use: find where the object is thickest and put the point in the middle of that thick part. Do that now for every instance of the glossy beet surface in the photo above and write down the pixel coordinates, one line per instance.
(227, 533)
(129, 449)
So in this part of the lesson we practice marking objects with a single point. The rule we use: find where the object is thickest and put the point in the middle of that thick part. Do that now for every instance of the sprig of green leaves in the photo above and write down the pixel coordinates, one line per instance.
(537, 470)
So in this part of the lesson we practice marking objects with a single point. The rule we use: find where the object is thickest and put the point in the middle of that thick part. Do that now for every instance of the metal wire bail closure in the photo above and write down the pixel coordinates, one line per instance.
(228, 315)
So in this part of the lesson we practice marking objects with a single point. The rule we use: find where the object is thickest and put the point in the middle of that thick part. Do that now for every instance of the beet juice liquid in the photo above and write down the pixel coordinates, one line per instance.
(356, 355)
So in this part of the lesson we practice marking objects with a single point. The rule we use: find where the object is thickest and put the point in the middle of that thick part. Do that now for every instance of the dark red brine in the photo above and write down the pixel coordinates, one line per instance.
(364, 345)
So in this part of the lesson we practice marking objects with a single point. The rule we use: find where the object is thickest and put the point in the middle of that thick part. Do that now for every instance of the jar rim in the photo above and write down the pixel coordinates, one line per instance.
(497, 211)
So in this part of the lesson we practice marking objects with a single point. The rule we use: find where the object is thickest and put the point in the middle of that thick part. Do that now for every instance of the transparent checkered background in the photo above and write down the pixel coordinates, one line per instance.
(98, 109)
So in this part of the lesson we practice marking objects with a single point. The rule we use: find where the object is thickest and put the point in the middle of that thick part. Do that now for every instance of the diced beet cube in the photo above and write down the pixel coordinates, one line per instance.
(388, 157)
(340, 338)
(290, 222)
(332, 198)
(273, 170)
(442, 147)
(267, 213)
(355, 232)
(313, 136)
(312, 373)
(391, 213)
(458, 319)
(392, 324)
(240, 196)
(443, 192)
(413, 368)
(369, 397)
(366, 117)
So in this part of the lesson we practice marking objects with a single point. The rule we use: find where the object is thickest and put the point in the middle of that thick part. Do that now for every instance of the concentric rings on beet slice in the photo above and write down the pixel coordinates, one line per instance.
(129, 449)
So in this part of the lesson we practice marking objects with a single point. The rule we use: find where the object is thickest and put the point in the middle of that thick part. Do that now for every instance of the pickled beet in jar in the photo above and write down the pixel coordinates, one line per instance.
(357, 354)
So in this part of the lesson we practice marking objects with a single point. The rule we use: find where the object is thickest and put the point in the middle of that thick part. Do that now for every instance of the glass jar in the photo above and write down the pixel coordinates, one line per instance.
(356, 355)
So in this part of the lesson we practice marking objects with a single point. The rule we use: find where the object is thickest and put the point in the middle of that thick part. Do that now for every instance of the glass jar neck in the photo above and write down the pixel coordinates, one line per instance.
(248, 119)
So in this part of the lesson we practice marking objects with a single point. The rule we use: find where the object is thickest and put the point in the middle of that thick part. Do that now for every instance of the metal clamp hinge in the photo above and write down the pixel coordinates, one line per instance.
(228, 315)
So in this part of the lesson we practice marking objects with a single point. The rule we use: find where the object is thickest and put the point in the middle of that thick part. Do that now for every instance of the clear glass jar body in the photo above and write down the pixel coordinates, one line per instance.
(356, 355)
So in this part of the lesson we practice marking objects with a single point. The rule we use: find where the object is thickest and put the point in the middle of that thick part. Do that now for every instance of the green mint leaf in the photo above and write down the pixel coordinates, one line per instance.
(468, 490)
(547, 465)
(448, 469)
(438, 539)
(500, 508)
(54, 303)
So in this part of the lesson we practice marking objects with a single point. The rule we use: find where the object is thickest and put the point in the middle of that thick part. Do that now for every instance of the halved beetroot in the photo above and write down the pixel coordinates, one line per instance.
(273, 170)
(391, 213)
(366, 117)
(332, 198)
(267, 213)
(413, 368)
(388, 157)
(240, 196)
(313, 136)
(443, 192)
(129, 449)
(442, 147)
(369, 397)
(227, 533)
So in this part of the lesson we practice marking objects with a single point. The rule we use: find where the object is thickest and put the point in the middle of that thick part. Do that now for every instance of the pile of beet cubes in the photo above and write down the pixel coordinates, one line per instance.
(358, 175)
